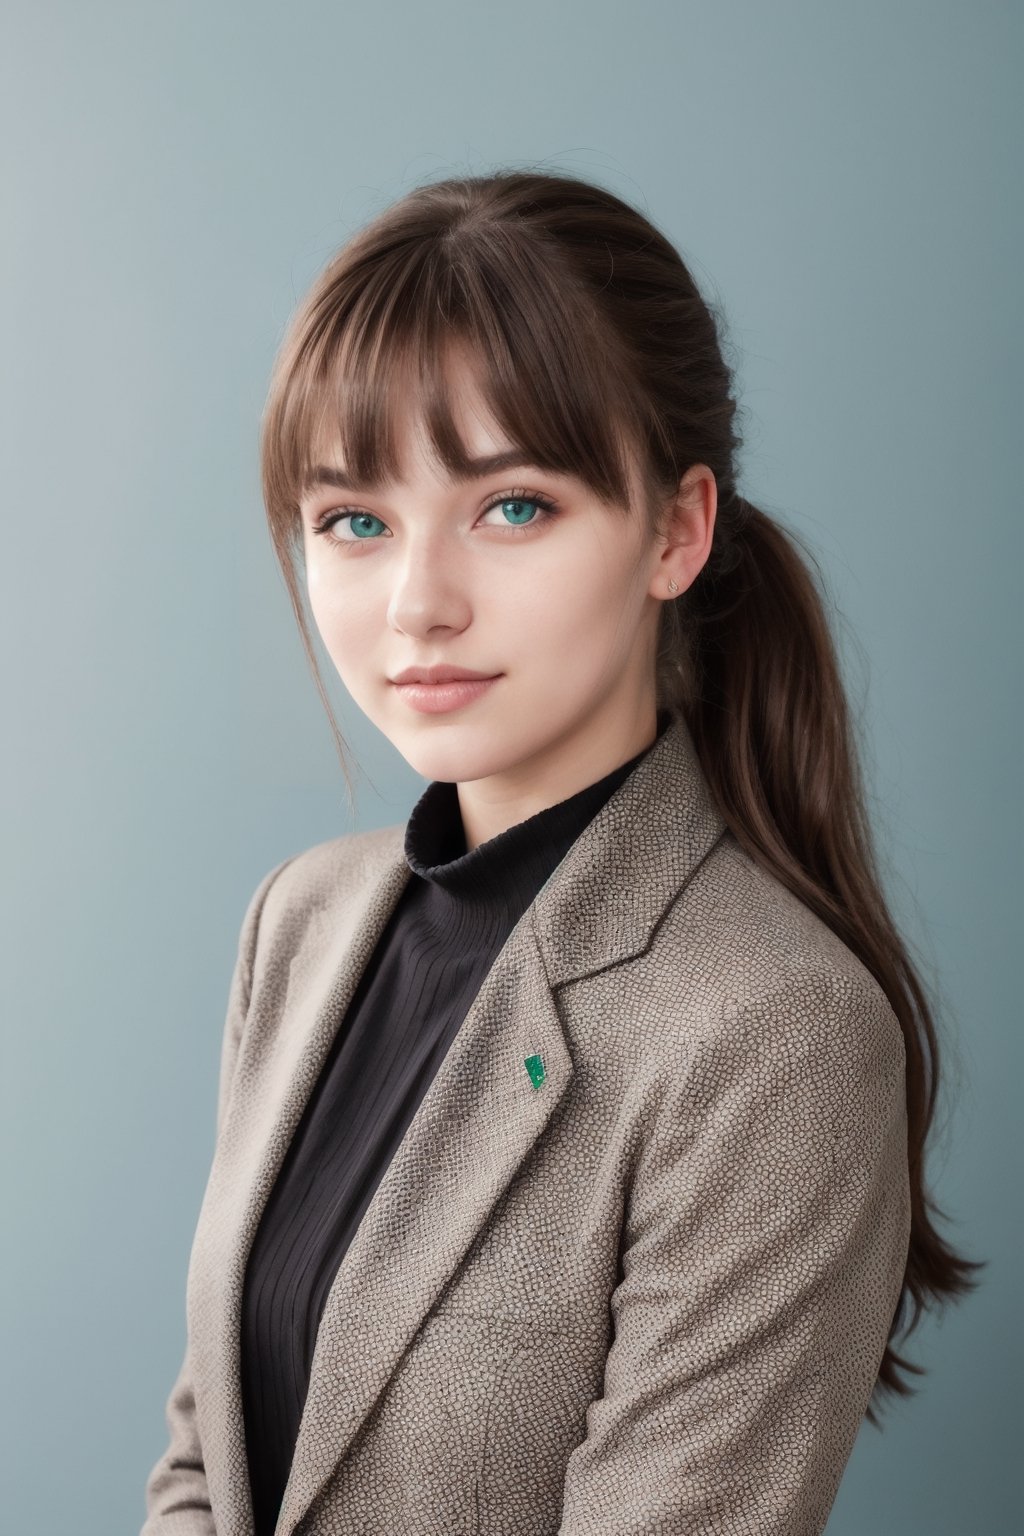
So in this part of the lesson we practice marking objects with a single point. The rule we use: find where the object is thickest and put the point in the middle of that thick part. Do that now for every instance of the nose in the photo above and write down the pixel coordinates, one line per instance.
(430, 588)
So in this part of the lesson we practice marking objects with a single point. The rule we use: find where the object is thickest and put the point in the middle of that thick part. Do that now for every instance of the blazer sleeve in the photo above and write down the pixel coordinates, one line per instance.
(177, 1497)
(764, 1249)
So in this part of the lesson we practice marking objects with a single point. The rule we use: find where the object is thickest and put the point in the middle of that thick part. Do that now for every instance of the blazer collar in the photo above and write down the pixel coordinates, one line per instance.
(629, 862)
(475, 1125)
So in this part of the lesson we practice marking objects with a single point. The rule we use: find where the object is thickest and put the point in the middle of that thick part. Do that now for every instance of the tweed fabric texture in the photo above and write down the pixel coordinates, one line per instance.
(650, 1296)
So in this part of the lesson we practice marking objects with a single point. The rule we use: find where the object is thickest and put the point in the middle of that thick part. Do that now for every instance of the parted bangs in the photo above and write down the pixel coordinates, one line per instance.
(371, 348)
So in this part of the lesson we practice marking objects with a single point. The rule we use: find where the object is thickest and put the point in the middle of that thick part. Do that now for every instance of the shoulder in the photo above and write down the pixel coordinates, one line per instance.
(759, 936)
(738, 963)
(332, 874)
(318, 872)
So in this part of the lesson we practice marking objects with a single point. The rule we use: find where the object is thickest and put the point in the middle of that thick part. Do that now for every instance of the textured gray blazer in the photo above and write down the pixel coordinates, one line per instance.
(649, 1293)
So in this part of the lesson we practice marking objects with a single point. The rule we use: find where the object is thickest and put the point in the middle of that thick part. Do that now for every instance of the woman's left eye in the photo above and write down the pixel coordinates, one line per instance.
(518, 503)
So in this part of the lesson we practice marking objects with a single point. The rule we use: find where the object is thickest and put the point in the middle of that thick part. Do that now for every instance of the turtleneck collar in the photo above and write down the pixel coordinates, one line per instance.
(509, 869)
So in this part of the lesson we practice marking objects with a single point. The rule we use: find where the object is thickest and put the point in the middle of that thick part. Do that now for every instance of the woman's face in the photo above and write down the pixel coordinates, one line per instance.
(557, 605)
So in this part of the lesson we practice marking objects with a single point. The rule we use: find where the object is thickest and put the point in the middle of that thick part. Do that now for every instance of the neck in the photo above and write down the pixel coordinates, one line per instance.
(490, 806)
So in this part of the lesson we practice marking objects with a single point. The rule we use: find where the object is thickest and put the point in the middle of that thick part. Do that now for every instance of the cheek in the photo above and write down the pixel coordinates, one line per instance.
(576, 620)
(342, 610)
(580, 583)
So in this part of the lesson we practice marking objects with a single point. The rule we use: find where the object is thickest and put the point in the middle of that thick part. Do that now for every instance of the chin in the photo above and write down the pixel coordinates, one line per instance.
(453, 756)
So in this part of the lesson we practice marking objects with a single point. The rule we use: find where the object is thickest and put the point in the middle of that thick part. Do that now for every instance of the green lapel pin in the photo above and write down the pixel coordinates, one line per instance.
(535, 1066)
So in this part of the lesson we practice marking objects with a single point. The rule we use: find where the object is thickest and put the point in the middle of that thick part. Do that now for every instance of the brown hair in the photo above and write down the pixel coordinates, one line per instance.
(594, 344)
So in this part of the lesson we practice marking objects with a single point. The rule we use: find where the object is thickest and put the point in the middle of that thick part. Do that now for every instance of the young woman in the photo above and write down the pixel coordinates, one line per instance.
(569, 1174)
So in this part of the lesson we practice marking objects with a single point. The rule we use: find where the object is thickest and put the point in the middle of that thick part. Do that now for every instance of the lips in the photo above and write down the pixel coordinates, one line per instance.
(441, 697)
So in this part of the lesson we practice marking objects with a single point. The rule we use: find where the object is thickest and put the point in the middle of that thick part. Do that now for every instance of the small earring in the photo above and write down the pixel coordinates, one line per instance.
(672, 585)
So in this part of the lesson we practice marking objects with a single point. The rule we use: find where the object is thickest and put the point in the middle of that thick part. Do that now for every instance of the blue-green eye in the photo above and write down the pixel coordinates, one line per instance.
(521, 511)
(523, 508)
(357, 521)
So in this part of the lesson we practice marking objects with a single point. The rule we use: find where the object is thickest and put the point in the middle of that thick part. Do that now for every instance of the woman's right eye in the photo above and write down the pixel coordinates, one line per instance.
(360, 524)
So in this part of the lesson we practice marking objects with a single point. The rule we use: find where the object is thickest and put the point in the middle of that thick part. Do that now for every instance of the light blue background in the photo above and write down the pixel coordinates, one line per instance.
(839, 177)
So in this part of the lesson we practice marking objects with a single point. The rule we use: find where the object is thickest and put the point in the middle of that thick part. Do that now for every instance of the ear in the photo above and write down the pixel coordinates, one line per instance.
(688, 526)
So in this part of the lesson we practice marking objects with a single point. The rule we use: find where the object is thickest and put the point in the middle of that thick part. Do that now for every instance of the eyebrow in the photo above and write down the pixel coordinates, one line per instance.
(488, 464)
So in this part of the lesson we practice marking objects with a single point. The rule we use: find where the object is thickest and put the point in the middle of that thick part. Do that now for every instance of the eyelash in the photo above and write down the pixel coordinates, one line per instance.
(549, 509)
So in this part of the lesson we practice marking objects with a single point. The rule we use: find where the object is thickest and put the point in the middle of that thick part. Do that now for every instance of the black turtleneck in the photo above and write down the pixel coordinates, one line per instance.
(450, 922)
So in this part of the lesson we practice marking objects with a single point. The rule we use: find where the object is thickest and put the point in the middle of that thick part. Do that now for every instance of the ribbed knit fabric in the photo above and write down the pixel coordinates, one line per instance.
(425, 972)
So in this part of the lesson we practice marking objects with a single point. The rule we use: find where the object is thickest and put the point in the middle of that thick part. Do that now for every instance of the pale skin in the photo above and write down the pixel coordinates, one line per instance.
(563, 607)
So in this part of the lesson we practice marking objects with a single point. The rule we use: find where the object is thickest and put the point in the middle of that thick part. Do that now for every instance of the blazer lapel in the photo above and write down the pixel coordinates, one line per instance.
(476, 1123)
